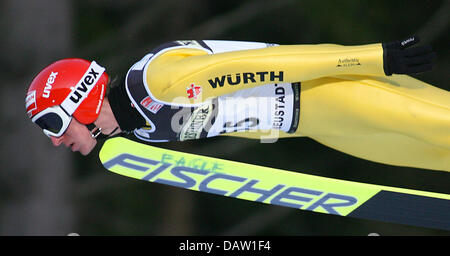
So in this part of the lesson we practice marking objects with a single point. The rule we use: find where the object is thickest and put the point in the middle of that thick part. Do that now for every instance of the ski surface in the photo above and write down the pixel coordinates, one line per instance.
(276, 186)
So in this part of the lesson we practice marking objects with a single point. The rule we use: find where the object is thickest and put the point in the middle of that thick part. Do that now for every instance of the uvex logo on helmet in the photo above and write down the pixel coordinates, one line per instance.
(48, 85)
(82, 88)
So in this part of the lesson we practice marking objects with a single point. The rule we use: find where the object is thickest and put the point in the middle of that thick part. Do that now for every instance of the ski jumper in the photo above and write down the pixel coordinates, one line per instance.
(336, 95)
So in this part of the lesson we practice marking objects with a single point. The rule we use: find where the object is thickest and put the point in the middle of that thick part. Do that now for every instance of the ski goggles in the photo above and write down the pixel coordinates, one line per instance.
(55, 120)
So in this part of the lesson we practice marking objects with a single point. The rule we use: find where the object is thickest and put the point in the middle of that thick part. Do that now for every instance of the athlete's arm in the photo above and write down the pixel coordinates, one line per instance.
(170, 74)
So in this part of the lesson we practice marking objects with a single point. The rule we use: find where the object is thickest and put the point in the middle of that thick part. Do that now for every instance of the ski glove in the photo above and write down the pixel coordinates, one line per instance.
(400, 58)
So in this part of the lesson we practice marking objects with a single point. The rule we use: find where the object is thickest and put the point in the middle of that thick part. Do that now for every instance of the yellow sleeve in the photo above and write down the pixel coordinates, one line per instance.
(170, 74)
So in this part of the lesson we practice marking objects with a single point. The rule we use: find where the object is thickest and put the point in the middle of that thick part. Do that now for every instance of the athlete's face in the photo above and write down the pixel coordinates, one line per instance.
(77, 137)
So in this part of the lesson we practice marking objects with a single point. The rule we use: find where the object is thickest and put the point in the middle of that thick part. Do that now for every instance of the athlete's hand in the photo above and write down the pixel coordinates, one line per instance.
(401, 57)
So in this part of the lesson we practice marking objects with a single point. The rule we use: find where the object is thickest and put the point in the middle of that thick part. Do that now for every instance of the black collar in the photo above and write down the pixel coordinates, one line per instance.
(126, 115)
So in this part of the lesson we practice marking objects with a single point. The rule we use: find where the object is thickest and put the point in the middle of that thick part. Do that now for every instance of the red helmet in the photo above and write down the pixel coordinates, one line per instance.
(77, 85)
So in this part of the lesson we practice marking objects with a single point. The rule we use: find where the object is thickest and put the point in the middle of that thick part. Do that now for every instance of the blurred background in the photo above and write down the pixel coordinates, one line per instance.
(52, 191)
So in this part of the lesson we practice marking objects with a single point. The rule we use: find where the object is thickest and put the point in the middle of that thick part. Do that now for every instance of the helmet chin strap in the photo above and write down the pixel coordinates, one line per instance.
(96, 132)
